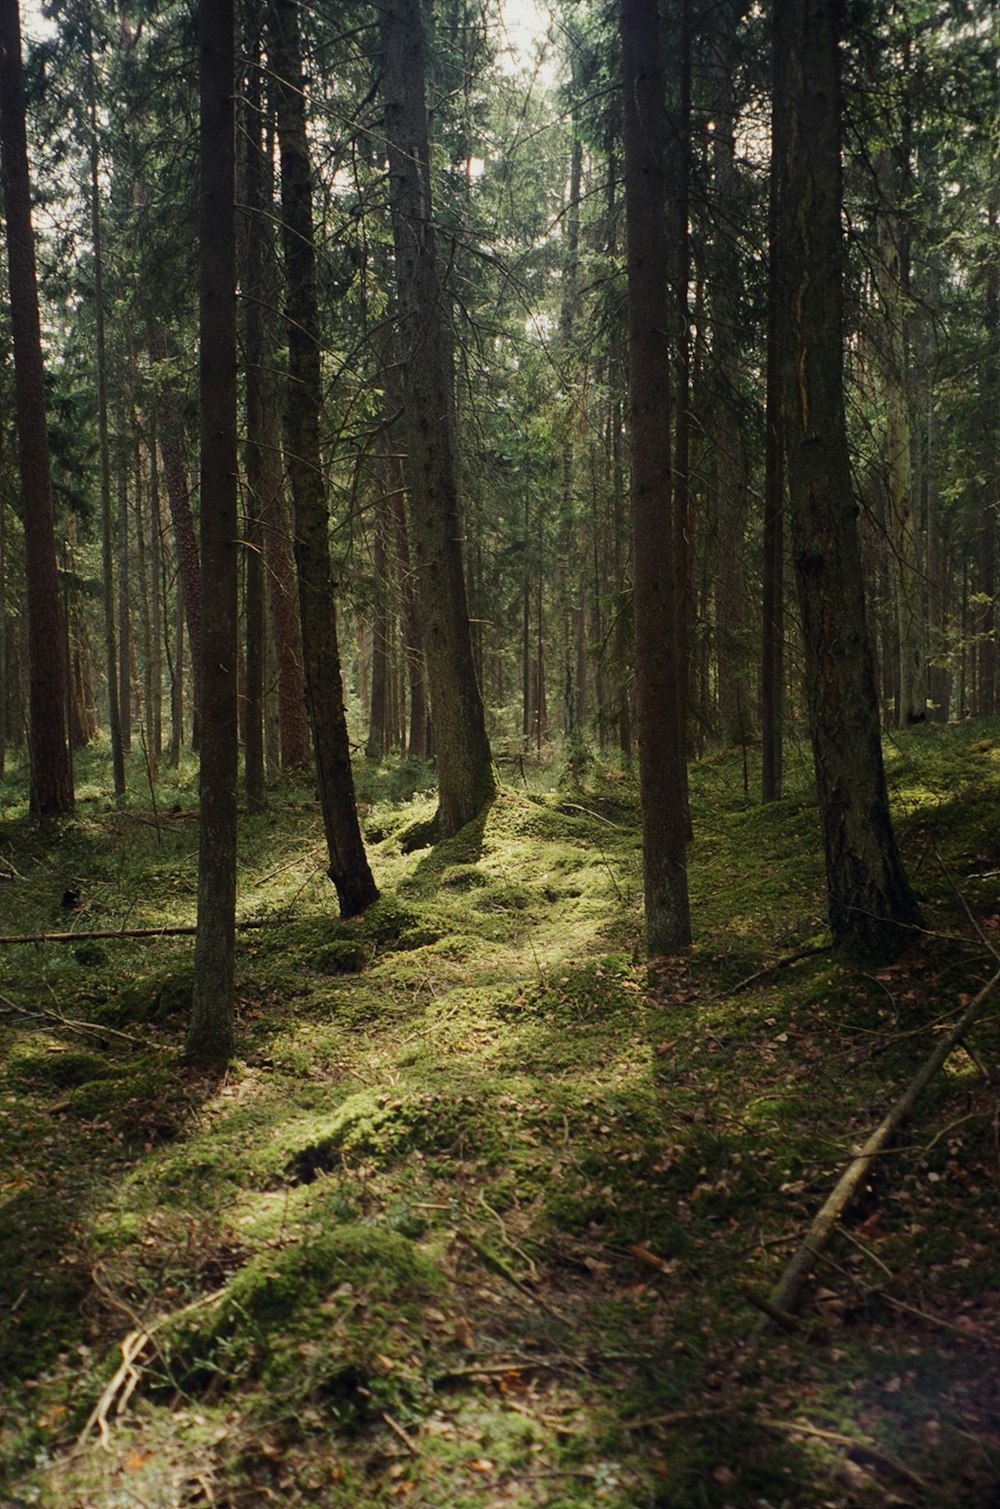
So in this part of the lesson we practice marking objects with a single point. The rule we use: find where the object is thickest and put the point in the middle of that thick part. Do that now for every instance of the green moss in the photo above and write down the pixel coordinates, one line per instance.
(346, 956)
(159, 995)
(56, 1066)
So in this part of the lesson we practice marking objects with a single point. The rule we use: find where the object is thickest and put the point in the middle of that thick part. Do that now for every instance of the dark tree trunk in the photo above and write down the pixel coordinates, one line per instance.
(124, 608)
(171, 437)
(658, 663)
(103, 444)
(255, 248)
(348, 867)
(51, 771)
(466, 782)
(870, 903)
(378, 729)
(210, 1034)
(772, 676)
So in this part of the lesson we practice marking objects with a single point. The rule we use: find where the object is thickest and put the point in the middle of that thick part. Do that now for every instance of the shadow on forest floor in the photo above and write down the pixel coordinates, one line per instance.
(473, 1218)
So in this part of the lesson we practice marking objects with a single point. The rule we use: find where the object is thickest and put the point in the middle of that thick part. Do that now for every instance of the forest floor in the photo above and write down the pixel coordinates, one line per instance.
(477, 1216)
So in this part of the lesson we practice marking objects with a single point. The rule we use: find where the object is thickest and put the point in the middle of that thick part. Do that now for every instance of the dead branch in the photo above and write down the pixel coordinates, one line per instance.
(777, 967)
(73, 1024)
(186, 931)
(858, 1448)
(785, 1295)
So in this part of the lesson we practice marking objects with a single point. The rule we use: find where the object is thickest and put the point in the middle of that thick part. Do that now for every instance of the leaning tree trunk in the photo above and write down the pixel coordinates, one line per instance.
(658, 663)
(871, 906)
(51, 771)
(466, 782)
(348, 868)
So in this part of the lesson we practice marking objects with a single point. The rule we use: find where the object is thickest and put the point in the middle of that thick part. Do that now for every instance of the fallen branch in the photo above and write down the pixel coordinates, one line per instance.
(186, 931)
(72, 1023)
(778, 966)
(126, 1379)
(785, 1296)
(851, 1443)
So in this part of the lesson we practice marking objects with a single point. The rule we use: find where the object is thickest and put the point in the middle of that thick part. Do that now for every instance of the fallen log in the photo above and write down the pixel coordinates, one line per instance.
(784, 1297)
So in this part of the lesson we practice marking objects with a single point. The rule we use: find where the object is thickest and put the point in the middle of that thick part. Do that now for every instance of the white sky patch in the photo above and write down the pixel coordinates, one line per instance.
(524, 32)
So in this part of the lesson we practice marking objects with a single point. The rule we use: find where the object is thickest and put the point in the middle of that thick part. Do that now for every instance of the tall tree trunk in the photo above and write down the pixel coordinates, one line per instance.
(772, 675)
(348, 867)
(730, 460)
(893, 281)
(124, 671)
(171, 437)
(155, 669)
(103, 444)
(51, 771)
(210, 1032)
(255, 250)
(466, 782)
(871, 906)
(659, 668)
(378, 710)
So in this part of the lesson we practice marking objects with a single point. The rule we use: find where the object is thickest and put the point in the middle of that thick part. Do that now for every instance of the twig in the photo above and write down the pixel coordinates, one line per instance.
(837, 1438)
(780, 964)
(786, 1294)
(72, 1023)
(575, 807)
(498, 1266)
(126, 1379)
(398, 1430)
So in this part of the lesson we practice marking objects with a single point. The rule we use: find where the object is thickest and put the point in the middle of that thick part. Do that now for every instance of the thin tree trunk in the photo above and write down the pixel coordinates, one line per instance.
(772, 676)
(348, 867)
(51, 770)
(255, 248)
(155, 673)
(103, 445)
(210, 1032)
(171, 437)
(124, 670)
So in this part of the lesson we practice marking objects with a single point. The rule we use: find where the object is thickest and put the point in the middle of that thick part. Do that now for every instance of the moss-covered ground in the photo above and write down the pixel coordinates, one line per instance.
(479, 1213)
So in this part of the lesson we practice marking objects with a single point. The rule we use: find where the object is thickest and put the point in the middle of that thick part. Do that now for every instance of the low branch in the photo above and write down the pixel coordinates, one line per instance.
(785, 1296)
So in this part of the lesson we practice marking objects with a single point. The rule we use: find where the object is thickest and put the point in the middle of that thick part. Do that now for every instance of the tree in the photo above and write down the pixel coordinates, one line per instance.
(466, 782)
(658, 668)
(348, 868)
(871, 906)
(210, 1034)
(51, 772)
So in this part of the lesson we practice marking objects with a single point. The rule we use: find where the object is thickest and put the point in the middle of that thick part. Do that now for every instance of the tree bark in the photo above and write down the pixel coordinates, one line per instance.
(657, 658)
(772, 675)
(51, 771)
(171, 437)
(210, 1032)
(871, 906)
(466, 782)
(103, 444)
(348, 867)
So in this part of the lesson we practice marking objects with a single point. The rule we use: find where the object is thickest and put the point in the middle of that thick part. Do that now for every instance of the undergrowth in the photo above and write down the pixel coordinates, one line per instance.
(482, 1212)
